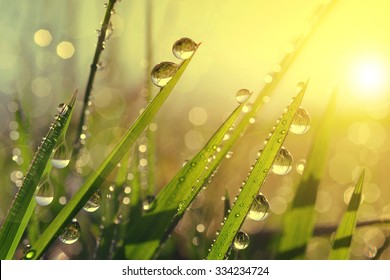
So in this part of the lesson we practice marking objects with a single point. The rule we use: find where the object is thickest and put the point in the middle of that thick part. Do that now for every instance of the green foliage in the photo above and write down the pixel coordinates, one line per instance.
(299, 221)
(23, 205)
(345, 230)
(254, 182)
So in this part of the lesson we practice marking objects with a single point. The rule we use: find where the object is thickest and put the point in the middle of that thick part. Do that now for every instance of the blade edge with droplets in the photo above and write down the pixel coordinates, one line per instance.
(24, 203)
(254, 182)
(299, 220)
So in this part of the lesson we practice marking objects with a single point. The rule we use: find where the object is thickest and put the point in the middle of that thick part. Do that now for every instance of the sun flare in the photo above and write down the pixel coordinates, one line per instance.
(367, 77)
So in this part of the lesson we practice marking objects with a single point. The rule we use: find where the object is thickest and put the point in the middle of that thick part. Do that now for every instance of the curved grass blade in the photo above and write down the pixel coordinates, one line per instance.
(342, 240)
(97, 177)
(23, 205)
(173, 200)
(299, 221)
(254, 182)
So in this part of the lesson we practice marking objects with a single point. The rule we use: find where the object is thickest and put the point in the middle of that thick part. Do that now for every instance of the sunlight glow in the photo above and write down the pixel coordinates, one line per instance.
(367, 78)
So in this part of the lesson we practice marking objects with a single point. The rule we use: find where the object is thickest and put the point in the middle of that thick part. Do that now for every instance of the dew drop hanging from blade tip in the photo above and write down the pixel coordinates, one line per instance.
(184, 48)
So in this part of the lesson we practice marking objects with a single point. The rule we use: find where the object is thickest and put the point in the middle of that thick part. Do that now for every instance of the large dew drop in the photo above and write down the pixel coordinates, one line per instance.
(45, 193)
(259, 209)
(61, 156)
(71, 233)
(241, 241)
(243, 95)
(184, 48)
(93, 203)
(162, 73)
(282, 163)
(301, 122)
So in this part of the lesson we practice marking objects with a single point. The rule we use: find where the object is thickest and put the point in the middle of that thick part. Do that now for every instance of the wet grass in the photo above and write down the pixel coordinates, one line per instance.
(133, 223)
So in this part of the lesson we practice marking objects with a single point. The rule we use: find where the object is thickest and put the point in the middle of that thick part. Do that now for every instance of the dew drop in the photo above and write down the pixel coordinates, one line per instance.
(259, 208)
(301, 122)
(71, 233)
(100, 65)
(62, 107)
(162, 73)
(26, 249)
(148, 202)
(247, 108)
(300, 166)
(229, 154)
(243, 95)
(29, 255)
(109, 31)
(184, 48)
(283, 162)
(45, 193)
(93, 203)
(241, 241)
(300, 86)
(61, 156)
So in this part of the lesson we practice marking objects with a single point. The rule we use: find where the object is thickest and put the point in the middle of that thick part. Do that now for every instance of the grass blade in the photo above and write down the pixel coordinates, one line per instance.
(97, 177)
(342, 240)
(100, 45)
(173, 200)
(299, 221)
(23, 205)
(254, 182)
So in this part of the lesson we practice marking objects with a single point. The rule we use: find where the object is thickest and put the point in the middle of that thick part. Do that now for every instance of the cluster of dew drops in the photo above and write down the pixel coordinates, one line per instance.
(163, 72)
(282, 165)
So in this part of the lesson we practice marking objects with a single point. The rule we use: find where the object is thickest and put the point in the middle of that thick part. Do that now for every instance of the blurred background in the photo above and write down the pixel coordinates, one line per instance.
(47, 48)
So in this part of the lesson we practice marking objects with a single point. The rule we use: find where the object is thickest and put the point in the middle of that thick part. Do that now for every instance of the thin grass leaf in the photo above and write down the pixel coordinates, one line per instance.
(342, 240)
(97, 177)
(173, 200)
(253, 184)
(299, 220)
(100, 46)
(23, 160)
(112, 213)
(23, 205)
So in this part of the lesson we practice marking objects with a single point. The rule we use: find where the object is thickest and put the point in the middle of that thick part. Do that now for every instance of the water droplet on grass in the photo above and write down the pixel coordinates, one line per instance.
(283, 162)
(300, 167)
(71, 233)
(184, 48)
(148, 202)
(241, 241)
(45, 193)
(61, 156)
(259, 209)
(93, 203)
(301, 122)
(243, 95)
(162, 73)
(29, 255)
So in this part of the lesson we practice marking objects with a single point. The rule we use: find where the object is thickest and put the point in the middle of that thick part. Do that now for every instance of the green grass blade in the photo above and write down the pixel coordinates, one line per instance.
(173, 200)
(23, 205)
(342, 240)
(97, 177)
(254, 182)
(299, 221)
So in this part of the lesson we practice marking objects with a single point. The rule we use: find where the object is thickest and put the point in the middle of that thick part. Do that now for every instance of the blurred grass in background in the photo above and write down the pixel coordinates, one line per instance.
(47, 47)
